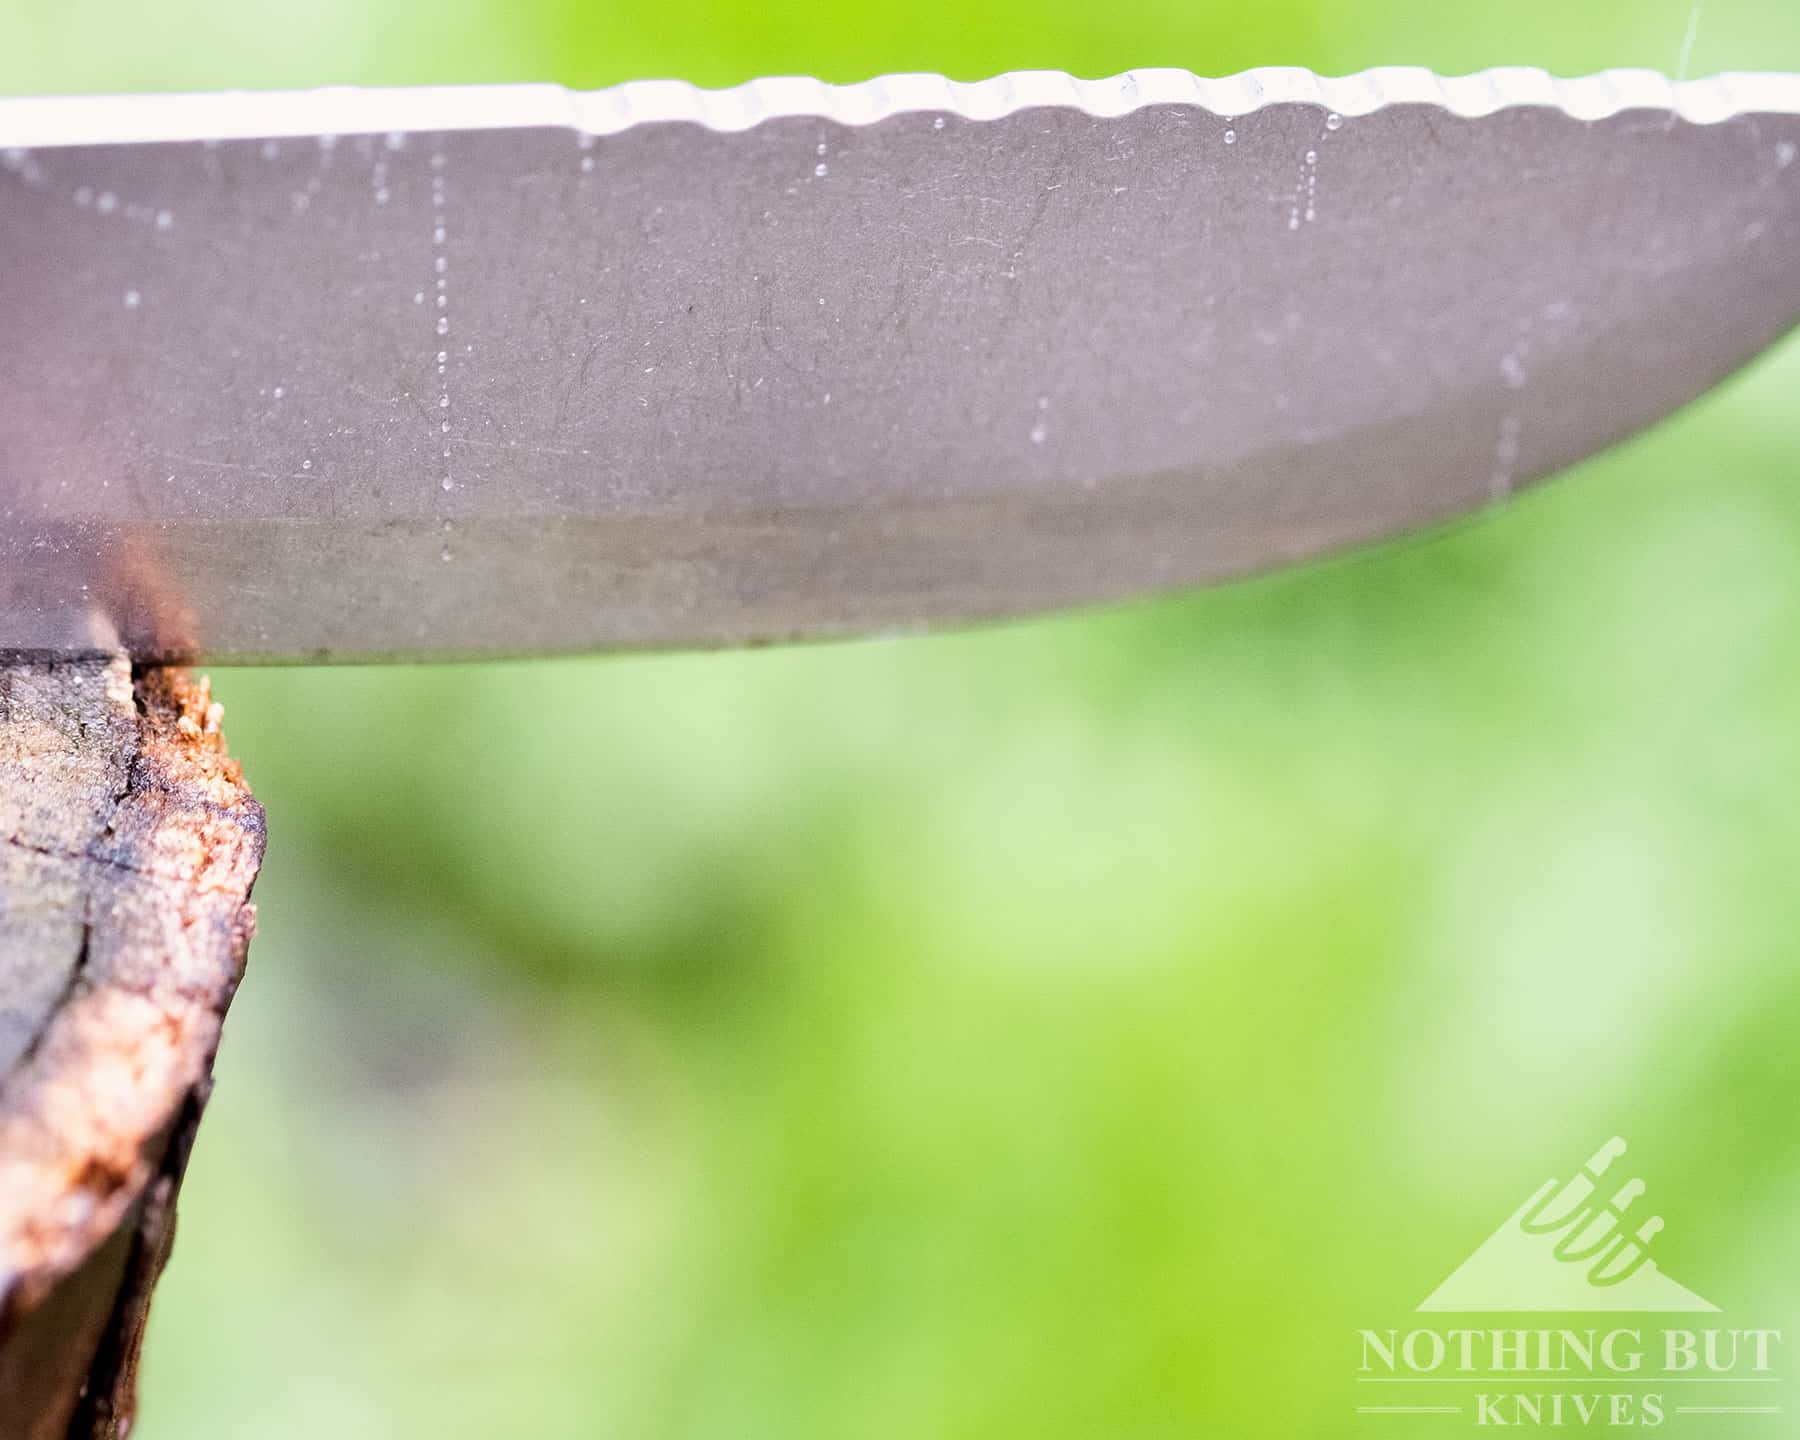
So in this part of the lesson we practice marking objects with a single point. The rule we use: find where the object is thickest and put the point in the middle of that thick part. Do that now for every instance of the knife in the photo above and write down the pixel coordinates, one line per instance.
(346, 375)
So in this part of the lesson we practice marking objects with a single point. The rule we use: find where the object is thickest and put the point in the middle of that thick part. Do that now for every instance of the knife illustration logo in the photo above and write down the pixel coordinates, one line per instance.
(1575, 1244)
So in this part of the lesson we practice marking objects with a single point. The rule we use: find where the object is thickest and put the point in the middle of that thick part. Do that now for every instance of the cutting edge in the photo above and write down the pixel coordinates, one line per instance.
(46, 122)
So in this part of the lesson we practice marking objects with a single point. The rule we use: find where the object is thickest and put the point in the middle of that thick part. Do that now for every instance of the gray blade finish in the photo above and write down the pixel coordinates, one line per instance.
(353, 375)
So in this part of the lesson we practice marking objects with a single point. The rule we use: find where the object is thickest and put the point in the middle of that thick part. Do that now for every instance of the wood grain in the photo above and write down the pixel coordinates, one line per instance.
(128, 847)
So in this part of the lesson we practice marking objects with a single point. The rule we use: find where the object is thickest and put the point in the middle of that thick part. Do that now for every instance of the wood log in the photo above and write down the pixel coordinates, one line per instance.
(128, 847)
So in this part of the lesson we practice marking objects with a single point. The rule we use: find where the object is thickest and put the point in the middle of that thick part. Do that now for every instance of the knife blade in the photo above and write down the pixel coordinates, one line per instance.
(345, 375)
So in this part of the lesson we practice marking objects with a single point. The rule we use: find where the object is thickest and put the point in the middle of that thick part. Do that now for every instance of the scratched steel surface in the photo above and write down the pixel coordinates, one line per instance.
(380, 374)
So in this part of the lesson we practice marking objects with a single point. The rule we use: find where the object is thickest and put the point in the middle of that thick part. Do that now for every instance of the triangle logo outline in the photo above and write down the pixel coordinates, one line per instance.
(1572, 1246)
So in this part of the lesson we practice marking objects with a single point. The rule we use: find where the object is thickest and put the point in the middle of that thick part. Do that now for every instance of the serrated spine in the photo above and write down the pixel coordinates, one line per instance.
(1586, 97)
(38, 122)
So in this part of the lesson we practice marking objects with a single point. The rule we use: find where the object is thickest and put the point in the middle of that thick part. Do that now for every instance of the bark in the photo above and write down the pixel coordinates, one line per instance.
(128, 846)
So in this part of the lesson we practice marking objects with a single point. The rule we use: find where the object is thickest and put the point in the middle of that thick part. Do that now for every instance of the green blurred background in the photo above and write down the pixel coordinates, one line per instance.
(1071, 1029)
